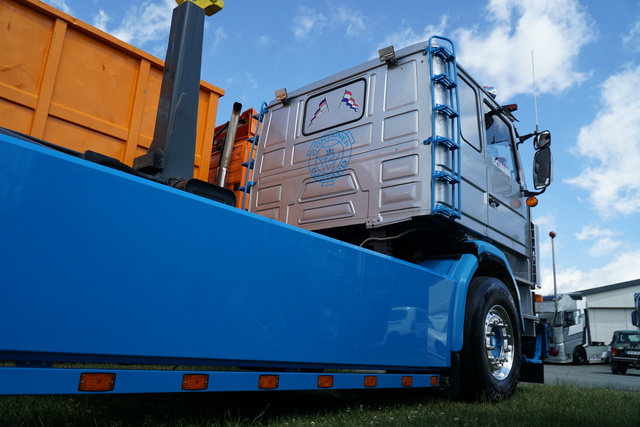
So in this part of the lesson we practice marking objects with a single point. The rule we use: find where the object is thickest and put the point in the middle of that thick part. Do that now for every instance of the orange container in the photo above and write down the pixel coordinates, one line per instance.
(237, 173)
(66, 82)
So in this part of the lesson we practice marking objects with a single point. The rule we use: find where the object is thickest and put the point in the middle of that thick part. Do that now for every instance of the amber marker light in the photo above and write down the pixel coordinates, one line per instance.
(407, 381)
(370, 381)
(434, 380)
(97, 382)
(325, 381)
(195, 381)
(532, 202)
(268, 382)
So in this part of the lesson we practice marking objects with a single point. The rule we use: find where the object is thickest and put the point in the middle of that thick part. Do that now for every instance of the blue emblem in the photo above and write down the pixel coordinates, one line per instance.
(329, 156)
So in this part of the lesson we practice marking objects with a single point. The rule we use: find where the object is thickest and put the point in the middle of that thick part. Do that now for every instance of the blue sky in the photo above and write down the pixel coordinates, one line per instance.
(587, 69)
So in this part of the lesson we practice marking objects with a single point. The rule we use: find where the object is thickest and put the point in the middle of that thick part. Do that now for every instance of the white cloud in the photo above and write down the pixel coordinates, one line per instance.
(146, 22)
(308, 21)
(554, 30)
(612, 143)
(101, 20)
(625, 267)
(546, 222)
(352, 20)
(62, 5)
(604, 241)
(632, 39)
(248, 81)
(591, 232)
(406, 36)
(211, 42)
(264, 41)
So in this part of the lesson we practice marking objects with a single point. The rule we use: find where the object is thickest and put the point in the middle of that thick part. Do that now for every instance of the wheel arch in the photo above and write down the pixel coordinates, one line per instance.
(491, 262)
(492, 266)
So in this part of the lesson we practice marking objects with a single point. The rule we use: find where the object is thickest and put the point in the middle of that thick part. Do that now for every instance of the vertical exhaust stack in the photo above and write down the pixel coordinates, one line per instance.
(227, 148)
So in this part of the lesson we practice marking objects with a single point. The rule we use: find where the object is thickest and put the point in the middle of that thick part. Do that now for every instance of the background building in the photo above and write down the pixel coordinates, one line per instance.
(610, 308)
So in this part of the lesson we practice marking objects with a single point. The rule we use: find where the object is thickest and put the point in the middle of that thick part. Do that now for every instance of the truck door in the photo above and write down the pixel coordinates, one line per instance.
(507, 211)
(472, 159)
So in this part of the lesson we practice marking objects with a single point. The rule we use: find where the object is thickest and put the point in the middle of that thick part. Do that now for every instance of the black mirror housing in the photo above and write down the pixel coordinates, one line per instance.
(542, 140)
(542, 168)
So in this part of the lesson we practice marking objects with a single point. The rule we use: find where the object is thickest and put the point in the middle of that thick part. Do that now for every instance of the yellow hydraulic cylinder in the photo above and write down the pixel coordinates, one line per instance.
(210, 6)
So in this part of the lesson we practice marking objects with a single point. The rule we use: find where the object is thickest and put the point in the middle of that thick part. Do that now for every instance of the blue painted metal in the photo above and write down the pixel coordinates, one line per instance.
(90, 275)
(461, 271)
(541, 349)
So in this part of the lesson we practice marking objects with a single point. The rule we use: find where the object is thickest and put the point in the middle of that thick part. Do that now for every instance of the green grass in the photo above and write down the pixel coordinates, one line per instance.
(533, 405)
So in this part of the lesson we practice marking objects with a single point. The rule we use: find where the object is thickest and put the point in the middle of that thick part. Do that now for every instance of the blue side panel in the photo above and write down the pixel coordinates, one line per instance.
(96, 263)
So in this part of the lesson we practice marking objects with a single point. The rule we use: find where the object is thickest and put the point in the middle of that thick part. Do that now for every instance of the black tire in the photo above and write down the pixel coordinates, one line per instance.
(618, 368)
(615, 368)
(491, 352)
(579, 356)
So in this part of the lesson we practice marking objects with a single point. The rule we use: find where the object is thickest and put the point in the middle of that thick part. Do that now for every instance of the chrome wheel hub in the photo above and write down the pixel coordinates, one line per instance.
(499, 342)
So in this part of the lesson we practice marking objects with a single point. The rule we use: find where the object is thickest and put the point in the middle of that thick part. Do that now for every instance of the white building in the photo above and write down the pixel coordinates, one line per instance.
(610, 308)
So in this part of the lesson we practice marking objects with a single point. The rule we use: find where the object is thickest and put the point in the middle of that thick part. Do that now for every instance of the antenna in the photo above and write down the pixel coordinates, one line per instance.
(535, 100)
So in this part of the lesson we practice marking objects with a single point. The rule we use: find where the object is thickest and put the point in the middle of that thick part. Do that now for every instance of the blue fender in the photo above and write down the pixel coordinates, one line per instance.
(461, 270)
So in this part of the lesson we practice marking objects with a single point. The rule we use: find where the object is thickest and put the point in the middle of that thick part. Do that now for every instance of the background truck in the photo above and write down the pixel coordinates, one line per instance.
(414, 206)
(570, 330)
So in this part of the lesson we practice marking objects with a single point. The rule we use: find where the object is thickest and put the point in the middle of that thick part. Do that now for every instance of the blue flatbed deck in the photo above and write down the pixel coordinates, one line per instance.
(101, 266)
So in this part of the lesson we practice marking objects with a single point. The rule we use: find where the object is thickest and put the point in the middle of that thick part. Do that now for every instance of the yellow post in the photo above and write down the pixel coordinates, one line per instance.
(210, 6)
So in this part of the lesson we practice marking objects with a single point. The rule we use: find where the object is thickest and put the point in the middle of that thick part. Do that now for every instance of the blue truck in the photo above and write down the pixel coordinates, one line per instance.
(388, 243)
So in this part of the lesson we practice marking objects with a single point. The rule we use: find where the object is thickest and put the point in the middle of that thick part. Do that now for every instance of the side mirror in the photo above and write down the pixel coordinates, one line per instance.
(542, 140)
(542, 168)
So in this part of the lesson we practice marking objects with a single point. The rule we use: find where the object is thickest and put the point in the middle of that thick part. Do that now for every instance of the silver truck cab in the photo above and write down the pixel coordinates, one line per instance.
(372, 154)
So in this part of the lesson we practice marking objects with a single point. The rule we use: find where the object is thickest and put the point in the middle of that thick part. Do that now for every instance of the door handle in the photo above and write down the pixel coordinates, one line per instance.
(494, 203)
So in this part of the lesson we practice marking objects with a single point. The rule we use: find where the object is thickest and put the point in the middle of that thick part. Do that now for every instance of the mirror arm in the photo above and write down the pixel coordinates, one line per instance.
(528, 193)
(523, 138)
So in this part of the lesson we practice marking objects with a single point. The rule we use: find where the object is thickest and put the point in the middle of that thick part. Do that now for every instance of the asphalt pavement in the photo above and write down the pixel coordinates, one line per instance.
(592, 375)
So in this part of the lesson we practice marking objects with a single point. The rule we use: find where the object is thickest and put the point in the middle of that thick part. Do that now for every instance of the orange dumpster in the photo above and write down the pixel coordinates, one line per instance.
(66, 82)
